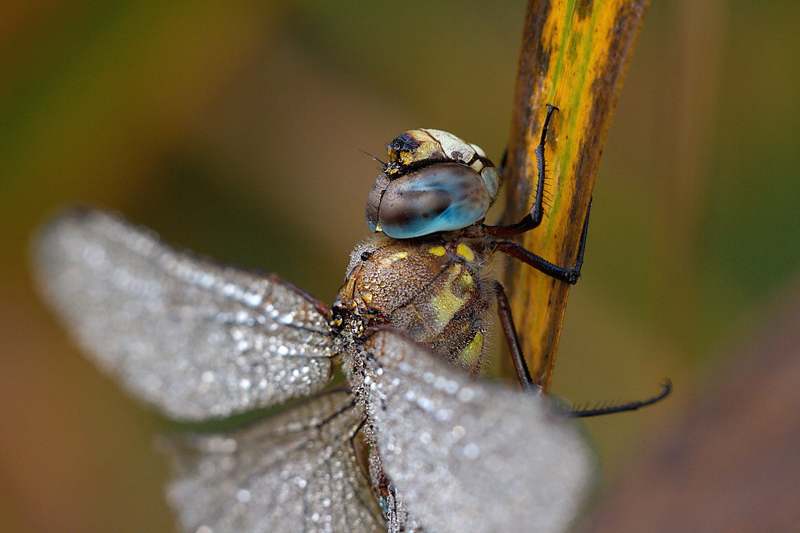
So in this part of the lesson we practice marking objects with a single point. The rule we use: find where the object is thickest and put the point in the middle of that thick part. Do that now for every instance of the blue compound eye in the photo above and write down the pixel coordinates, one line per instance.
(440, 197)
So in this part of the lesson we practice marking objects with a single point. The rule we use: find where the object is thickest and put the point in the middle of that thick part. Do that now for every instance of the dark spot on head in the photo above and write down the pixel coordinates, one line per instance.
(404, 143)
(365, 255)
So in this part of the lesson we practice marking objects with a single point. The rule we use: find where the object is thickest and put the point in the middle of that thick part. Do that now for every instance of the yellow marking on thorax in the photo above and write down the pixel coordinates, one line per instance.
(465, 251)
(366, 296)
(438, 251)
(445, 302)
(471, 354)
(390, 260)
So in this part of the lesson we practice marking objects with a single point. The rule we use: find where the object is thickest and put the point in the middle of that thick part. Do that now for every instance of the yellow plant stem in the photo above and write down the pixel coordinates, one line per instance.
(574, 56)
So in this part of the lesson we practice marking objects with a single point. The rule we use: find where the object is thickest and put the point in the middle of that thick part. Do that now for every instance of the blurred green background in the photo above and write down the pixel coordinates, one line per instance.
(234, 128)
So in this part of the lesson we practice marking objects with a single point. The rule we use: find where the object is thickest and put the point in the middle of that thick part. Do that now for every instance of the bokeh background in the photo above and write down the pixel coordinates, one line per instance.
(235, 129)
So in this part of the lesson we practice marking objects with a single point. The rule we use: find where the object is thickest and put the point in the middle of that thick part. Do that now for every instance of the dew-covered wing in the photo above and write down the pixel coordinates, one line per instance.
(296, 471)
(194, 337)
(467, 455)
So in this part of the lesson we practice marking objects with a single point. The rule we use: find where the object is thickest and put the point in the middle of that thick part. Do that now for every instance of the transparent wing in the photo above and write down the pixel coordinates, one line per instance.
(466, 455)
(195, 338)
(296, 471)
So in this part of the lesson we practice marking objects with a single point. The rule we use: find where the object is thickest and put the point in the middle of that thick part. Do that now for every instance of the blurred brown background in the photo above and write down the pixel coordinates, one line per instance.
(234, 129)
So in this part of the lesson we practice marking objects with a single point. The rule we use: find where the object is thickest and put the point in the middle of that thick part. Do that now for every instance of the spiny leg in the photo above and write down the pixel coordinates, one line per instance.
(534, 218)
(537, 210)
(566, 274)
(510, 331)
(621, 408)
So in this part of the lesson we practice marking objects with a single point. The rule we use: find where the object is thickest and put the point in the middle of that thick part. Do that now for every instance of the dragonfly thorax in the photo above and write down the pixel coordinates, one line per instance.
(434, 290)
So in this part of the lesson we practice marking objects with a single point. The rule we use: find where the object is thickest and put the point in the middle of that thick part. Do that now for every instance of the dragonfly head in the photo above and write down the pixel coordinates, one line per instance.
(433, 182)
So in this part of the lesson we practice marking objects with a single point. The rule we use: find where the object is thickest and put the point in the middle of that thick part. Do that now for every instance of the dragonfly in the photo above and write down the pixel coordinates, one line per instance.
(414, 439)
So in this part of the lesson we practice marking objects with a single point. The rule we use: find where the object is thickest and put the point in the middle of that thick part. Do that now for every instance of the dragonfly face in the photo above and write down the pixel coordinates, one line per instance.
(433, 182)
(200, 340)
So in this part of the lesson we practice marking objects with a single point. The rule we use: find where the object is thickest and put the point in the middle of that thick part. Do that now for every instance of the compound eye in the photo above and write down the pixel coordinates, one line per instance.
(441, 197)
